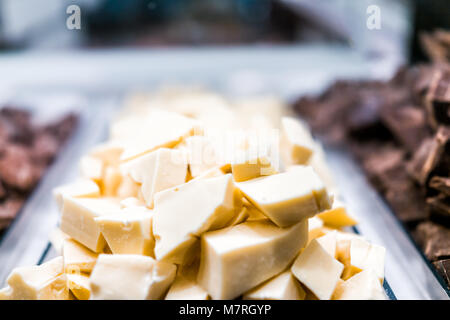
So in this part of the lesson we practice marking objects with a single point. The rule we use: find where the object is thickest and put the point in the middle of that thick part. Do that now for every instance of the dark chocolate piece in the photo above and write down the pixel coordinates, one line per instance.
(441, 184)
(443, 267)
(438, 98)
(434, 239)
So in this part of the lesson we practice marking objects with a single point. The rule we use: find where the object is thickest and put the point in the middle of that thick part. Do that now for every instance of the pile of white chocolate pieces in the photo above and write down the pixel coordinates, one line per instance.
(162, 212)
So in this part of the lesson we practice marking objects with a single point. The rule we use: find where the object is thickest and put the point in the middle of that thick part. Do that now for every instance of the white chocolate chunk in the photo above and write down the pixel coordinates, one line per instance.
(362, 286)
(252, 167)
(44, 282)
(158, 129)
(78, 219)
(337, 216)
(81, 188)
(130, 277)
(281, 287)
(57, 238)
(91, 168)
(296, 145)
(129, 232)
(156, 171)
(238, 258)
(79, 286)
(317, 270)
(286, 198)
(112, 178)
(185, 288)
(78, 258)
(128, 188)
(328, 242)
(201, 155)
(187, 211)
(131, 202)
(364, 256)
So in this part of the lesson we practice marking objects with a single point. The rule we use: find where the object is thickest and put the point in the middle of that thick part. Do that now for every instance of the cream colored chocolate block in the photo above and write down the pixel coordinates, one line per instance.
(281, 287)
(78, 258)
(79, 285)
(158, 129)
(91, 168)
(236, 259)
(364, 256)
(296, 143)
(57, 238)
(112, 178)
(129, 232)
(82, 188)
(183, 213)
(328, 242)
(201, 155)
(240, 217)
(184, 288)
(130, 277)
(128, 188)
(78, 219)
(211, 173)
(108, 152)
(319, 162)
(252, 167)
(337, 216)
(156, 171)
(362, 286)
(131, 202)
(44, 282)
(317, 270)
(286, 198)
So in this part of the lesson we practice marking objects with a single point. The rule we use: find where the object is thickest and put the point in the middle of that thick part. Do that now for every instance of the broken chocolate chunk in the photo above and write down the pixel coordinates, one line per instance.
(438, 98)
(441, 184)
(440, 208)
(434, 239)
(443, 267)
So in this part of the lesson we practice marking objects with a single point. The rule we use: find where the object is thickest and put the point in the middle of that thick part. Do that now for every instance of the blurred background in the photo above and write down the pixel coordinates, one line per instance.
(243, 36)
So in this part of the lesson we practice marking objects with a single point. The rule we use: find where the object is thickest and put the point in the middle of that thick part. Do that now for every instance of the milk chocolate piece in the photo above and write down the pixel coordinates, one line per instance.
(431, 155)
(443, 267)
(438, 98)
(434, 239)
(441, 183)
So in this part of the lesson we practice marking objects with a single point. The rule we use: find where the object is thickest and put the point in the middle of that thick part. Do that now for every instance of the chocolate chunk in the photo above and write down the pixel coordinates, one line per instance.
(443, 267)
(440, 208)
(431, 155)
(408, 125)
(436, 45)
(441, 184)
(17, 169)
(438, 98)
(434, 239)
(9, 210)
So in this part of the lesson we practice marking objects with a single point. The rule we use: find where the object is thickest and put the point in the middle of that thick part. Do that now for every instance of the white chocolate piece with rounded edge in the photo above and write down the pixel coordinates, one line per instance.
(183, 213)
(287, 198)
(157, 171)
(78, 258)
(130, 277)
(78, 219)
(296, 143)
(362, 286)
(317, 270)
(81, 188)
(79, 285)
(236, 259)
(43, 282)
(129, 231)
(281, 287)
